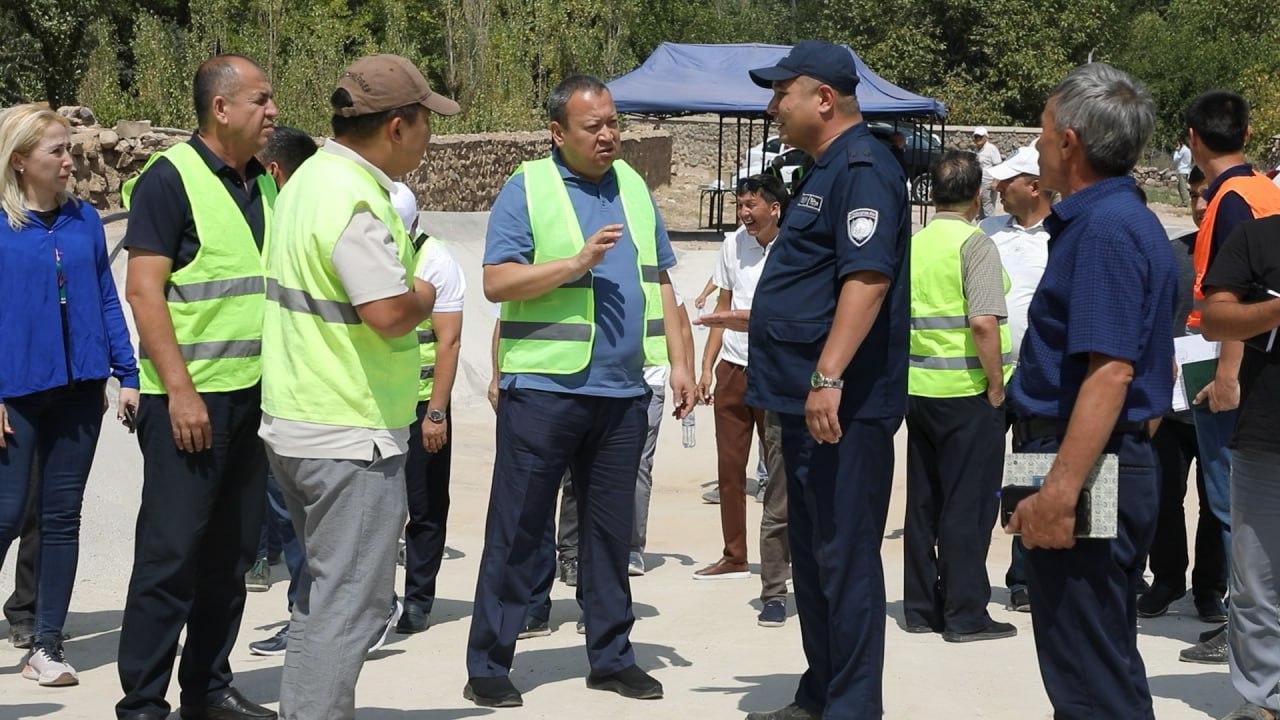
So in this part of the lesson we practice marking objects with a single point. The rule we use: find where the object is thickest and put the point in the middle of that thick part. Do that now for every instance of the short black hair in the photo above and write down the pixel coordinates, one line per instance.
(1196, 177)
(558, 100)
(956, 178)
(768, 186)
(288, 148)
(363, 127)
(216, 76)
(1220, 119)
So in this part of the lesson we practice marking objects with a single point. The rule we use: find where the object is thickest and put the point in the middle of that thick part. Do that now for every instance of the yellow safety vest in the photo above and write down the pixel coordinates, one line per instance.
(553, 334)
(217, 300)
(943, 360)
(321, 363)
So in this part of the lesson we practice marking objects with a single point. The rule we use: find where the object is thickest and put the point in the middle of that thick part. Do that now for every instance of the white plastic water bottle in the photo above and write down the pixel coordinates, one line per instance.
(687, 430)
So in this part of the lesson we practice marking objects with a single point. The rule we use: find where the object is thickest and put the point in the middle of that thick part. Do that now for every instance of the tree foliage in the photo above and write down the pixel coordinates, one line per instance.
(990, 61)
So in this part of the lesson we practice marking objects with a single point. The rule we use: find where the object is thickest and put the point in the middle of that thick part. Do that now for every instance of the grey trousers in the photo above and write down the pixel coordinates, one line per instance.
(775, 547)
(1254, 616)
(567, 532)
(987, 194)
(348, 514)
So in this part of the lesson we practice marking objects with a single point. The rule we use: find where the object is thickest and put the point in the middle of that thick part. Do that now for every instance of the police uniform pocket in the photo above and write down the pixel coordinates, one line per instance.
(804, 332)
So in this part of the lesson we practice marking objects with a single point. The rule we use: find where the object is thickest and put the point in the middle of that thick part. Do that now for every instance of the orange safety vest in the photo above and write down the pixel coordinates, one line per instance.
(1263, 198)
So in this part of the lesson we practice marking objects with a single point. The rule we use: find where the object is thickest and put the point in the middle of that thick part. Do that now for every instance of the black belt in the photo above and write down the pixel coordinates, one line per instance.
(1037, 428)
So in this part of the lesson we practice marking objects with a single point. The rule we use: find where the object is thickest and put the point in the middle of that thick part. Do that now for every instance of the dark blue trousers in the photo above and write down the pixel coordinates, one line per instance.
(539, 435)
(1084, 600)
(837, 500)
(56, 429)
(277, 513)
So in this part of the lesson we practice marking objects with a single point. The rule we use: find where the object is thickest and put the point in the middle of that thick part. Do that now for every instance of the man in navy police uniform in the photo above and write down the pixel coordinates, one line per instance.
(828, 335)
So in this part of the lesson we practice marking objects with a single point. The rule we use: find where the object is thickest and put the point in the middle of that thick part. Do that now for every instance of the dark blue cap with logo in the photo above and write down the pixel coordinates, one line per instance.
(819, 59)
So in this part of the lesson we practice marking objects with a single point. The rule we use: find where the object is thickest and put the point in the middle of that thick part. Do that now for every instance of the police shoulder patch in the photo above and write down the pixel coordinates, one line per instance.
(809, 201)
(862, 225)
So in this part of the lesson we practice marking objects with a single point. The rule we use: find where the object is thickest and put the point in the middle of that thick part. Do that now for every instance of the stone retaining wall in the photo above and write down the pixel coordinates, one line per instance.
(461, 172)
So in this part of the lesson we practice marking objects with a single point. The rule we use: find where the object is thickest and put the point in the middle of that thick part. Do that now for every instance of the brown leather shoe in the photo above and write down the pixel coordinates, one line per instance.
(723, 570)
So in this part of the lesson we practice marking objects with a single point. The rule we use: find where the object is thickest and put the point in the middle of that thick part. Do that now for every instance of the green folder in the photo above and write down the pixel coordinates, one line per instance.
(1195, 376)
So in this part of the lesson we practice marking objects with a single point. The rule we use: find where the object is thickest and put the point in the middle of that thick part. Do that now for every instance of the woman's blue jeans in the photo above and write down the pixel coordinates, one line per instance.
(59, 428)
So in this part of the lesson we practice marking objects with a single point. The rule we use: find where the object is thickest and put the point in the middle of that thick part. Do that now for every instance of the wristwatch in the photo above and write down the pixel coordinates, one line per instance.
(818, 381)
(436, 416)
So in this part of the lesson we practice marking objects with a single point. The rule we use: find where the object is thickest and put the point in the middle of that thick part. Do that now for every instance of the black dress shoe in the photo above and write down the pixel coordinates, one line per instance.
(1019, 601)
(1210, 652)
(993, 631)
(22, 634)
(790, 712)
(147, 716)
(1211, 609)
(1156, 601)
(227, 704)
(496, 692)
(631, 682)
(414, 619)
(921, 628)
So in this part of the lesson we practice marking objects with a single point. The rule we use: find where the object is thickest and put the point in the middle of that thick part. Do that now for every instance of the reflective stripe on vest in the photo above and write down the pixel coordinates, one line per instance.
(1263, 198)
(321, 364)
(554, 333)
(216, 301)
(943, 361)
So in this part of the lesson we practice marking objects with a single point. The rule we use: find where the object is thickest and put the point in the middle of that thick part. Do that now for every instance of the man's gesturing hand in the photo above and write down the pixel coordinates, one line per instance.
(597, 245)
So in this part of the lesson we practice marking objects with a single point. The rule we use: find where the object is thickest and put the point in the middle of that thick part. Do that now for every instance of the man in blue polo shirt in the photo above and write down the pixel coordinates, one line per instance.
(828, 338)
(577, 254)
(1094, 369)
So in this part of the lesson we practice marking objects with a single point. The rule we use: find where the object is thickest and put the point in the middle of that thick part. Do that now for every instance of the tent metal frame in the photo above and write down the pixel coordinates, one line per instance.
(716, 191)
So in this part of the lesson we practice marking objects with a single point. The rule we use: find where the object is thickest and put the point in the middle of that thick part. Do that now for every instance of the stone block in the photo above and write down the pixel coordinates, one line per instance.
(108, 138)
(133, 128)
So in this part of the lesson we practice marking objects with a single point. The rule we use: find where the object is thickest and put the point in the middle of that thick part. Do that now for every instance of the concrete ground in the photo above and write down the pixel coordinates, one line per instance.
(700, 639)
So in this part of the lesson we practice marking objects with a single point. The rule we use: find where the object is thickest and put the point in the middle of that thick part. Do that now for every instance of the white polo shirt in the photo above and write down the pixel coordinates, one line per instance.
(1024, 252)
(741, 262)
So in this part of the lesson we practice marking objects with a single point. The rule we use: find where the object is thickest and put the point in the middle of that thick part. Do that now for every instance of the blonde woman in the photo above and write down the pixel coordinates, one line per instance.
(65, 334)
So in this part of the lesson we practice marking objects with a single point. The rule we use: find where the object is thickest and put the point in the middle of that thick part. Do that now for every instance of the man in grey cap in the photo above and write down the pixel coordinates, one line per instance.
(340, 374)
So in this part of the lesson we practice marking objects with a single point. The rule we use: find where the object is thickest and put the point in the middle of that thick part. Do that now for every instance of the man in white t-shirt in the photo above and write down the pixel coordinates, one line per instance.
(1023, 243)
(761, 200)
(430, 452)
(1182, 166)
(988, 157)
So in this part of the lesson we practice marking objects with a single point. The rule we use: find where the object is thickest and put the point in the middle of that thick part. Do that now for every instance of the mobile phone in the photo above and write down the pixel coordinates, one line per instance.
(130, 419)
(1011, 495)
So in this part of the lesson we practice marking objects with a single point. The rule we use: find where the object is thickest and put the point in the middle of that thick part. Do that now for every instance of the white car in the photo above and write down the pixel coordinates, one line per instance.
(759, 157)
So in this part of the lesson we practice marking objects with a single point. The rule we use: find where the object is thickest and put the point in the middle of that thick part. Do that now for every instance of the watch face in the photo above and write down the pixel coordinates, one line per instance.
(435, 416)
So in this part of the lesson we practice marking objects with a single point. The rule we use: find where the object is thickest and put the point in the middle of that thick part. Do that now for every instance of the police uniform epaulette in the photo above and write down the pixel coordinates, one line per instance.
(860, 152)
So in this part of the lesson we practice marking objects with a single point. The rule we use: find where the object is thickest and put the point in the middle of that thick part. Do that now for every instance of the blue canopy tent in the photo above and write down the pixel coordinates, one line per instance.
(685, 79)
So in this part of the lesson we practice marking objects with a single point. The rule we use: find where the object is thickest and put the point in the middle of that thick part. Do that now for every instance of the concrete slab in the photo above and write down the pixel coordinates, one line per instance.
(699, 639)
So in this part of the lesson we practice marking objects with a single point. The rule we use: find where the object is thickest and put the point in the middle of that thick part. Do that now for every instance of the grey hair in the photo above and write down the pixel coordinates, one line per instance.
(1112, 114)
(558, 100)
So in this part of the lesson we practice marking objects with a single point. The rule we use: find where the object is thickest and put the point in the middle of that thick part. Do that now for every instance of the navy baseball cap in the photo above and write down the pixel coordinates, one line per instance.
(819, 59)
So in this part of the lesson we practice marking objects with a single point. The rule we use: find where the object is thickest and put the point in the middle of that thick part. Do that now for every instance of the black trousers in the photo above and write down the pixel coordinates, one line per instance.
(197, 533)
(955, 454)
(20, 608)
(426, 480)
(1175, 446)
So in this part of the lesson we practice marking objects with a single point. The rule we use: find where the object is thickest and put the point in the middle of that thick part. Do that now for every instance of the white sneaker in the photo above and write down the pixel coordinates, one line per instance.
(393, 617)
(49, 667)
